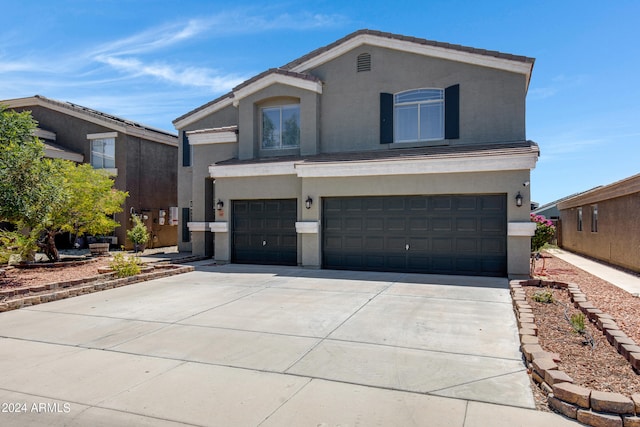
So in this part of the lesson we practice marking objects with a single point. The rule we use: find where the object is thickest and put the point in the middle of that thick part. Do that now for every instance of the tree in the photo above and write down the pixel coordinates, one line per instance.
(88, 203)
(28, 181)
(43, 197)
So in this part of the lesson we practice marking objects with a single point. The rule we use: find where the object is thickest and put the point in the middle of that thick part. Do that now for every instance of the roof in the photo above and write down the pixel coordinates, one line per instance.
(624, 187)
(414, 40)
(441, 152)
(562, 199)
(299, 68)
(125, 126)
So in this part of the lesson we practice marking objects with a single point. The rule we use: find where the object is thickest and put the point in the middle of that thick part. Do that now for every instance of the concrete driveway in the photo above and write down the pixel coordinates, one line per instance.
(268, 346)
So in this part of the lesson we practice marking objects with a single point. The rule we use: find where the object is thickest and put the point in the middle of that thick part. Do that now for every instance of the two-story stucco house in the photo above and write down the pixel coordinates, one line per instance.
(377, 152)
(142, 160)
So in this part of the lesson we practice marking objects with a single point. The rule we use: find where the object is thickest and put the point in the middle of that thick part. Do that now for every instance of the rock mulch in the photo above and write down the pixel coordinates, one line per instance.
(589, 406)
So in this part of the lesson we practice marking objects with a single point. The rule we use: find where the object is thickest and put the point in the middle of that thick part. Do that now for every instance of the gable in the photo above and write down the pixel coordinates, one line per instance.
(298, 72)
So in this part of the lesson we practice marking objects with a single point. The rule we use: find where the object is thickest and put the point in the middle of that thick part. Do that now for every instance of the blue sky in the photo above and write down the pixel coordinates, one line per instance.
(153, 60)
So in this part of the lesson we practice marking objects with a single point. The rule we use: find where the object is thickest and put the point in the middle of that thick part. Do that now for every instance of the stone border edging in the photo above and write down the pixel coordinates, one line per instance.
(590, 407)
(72, 288)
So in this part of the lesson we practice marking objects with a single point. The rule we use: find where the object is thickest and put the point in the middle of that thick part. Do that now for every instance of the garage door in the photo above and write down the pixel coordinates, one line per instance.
(451, 234)
(264, 232)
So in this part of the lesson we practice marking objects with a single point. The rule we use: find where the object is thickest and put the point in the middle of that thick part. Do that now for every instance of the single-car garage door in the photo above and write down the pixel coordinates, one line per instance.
(264, 232)
(444, 234)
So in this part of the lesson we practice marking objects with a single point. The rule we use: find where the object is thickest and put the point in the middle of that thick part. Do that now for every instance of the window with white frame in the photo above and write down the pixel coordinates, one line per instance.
(419, 115)
(103, 153)
(594, 218)
(281, 127)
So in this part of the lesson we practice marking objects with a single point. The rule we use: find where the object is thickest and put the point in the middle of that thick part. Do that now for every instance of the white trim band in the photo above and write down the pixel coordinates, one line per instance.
(307, 227)
(219, 226)
(253, 169)
(203, 138)
(521, 229)
(197, 226)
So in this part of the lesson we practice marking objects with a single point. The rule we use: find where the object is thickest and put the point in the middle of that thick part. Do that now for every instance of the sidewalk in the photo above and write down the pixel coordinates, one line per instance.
(626, 281)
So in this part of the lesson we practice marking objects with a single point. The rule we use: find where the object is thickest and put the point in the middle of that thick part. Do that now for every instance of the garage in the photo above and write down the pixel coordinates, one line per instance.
(443, 234)
(264, 232)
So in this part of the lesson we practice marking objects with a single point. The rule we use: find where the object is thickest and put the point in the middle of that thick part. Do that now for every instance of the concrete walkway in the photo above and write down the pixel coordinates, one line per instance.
(628, 282)
(271, 346)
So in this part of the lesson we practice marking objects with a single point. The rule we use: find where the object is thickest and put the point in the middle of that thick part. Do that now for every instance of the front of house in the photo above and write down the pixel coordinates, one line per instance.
(377, 152)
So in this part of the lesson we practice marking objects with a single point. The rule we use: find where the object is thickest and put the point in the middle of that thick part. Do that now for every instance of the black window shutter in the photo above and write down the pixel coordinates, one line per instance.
(452, 112)
(186, 150)
(386, 118)
(186, 235)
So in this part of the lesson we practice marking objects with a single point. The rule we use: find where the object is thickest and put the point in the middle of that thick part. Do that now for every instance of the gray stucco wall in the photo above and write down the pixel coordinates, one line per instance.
(492, 102)
(617, 239)
(309, 246)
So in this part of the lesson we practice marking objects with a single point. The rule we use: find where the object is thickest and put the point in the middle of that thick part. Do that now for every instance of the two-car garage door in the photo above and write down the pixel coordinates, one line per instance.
(450, 234)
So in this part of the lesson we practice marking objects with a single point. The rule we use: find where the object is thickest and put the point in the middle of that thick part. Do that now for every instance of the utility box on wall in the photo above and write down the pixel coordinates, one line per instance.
(173, 215)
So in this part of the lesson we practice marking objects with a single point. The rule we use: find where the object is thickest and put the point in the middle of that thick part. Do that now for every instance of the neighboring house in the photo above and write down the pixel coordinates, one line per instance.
(142, 160)
(377, 152)
(551, 212)
(603, 223)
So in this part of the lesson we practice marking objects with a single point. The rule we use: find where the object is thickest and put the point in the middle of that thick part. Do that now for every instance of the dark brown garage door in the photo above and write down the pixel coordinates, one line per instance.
(452, 234)
(264, 232)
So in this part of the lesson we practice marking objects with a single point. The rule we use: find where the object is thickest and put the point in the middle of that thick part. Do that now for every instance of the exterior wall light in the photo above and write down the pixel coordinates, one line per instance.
(308, 202)
(518, 199)
(219, 205)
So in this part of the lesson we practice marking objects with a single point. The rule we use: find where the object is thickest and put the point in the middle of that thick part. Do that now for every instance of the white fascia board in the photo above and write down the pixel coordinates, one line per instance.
(197, 226)
(420, 49)
(203, 138)
(417, 166)
(219, 226)
(54, 153)
(271, 79)
(252, 169)
(102, 135)
(44, 134)
(521, 229)
(198, 115)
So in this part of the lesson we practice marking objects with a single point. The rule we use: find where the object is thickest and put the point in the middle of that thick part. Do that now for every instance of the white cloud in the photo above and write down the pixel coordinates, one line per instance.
(186, 76)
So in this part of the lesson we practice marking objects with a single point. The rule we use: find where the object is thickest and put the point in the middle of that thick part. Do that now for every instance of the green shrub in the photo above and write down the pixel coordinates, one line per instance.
(138, 234)
(577, 321)
(543, 296)
(125, 265)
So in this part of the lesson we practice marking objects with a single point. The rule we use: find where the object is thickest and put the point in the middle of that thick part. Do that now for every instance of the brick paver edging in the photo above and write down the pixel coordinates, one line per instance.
(72, 288)
(590, 407)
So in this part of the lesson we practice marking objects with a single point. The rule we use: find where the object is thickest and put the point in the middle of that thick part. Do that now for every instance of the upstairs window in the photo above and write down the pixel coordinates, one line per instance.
(281, 127)
(103, 153)
(419, 115)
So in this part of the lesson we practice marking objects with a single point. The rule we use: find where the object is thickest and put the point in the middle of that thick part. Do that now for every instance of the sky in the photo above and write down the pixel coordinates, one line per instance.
(152, 61)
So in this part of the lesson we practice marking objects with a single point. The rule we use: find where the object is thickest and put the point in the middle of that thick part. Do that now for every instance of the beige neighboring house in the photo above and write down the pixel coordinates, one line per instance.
(603, 223)
(142, 160)
(377, 152)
